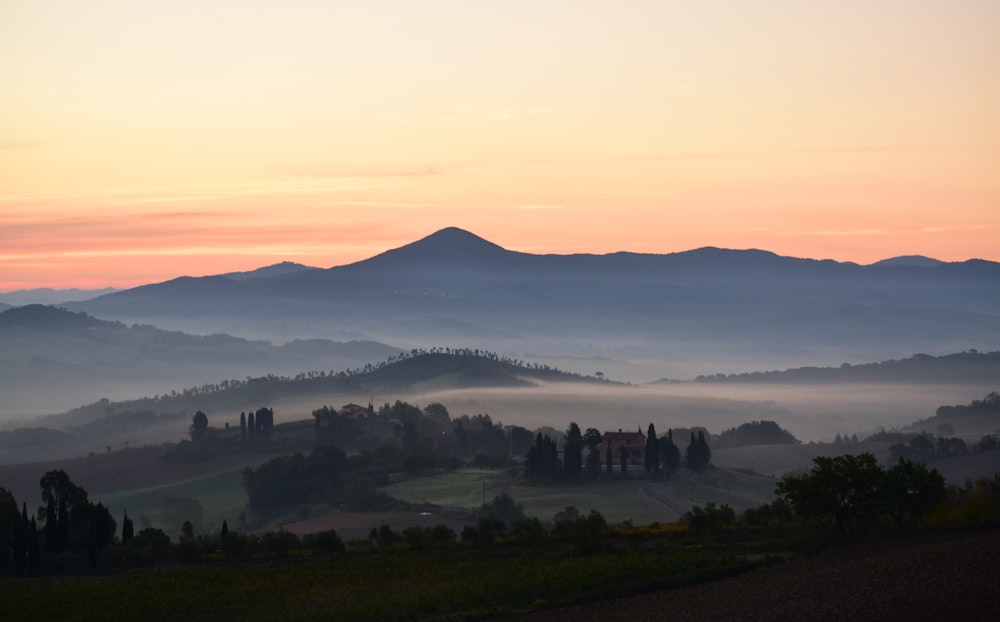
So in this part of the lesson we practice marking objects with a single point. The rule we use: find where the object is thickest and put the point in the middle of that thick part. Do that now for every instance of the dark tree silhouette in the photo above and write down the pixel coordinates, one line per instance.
(670, 454)
(651, 455)
(199, 426)
(698, 455)
(846, 488)
(573, 453)
(128, 529)
(592, 441)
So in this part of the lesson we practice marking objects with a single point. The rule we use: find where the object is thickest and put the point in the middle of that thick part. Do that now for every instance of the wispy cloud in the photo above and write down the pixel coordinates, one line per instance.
(369, 204)
(639, 194)
(537, 206)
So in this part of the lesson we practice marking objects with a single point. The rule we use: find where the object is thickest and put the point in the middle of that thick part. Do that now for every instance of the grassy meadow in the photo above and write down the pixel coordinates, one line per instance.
(220, 495)
(617, 499)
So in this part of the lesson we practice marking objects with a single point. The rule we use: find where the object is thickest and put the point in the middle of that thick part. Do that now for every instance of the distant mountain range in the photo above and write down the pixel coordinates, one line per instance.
(49, 296)
(702, 310)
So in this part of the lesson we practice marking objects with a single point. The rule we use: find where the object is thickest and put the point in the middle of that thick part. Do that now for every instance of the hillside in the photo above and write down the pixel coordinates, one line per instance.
(971, 367)
(710, 304)
(442, 370)
(974, 420)
(52, 359)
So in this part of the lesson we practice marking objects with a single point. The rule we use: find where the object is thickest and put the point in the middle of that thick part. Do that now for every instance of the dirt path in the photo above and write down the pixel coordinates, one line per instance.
(658, 491)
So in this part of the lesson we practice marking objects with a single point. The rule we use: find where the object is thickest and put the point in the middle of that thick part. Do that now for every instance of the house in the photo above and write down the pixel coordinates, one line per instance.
(633, 442)
(354, 411)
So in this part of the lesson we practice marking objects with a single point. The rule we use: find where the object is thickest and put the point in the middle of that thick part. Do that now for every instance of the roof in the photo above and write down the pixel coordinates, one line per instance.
(622, 436)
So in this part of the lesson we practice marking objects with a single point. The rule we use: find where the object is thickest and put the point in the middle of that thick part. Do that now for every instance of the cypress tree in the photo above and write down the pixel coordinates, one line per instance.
(573, 452)
(651, 455)
(128, 529)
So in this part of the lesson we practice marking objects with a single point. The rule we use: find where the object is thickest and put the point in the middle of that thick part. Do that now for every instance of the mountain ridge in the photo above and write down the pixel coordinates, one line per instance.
(455, 287)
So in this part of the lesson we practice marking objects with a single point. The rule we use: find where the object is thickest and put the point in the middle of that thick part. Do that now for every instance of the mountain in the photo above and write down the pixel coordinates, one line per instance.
(278, 269)
(49, 296)
(51, 359)
(708, 309)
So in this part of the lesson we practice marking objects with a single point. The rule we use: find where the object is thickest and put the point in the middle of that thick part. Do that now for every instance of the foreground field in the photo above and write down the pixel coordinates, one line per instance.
(928, 577)
(460, 583)
(651, 575)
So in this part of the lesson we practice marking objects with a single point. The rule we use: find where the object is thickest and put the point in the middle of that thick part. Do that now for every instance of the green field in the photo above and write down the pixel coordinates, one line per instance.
(618, 499)
(221, 496)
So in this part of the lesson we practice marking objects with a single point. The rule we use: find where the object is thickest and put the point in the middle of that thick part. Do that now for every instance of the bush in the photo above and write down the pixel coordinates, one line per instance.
(586, 532)
(324, 541)
(709, 518)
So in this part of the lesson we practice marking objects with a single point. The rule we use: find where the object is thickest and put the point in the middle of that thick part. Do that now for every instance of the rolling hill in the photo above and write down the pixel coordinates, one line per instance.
(52, 359)
(971, 367)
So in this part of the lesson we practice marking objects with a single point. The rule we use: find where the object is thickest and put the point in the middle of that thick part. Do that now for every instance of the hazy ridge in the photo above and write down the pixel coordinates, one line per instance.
(714, 309)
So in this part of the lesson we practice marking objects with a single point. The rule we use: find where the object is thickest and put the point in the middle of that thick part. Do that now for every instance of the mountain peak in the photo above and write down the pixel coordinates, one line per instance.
(278, 269)
(912, 261)
(451, 247)
(457, 238)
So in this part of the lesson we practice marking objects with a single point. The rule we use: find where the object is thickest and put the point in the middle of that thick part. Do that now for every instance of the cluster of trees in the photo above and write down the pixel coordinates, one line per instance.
(755, 433)
(698, 455)
(503, 520)
(988, 406)
(256, 425)
(856, 491)
(662, 452)
(68, 528)
(329, 476)
(475, 438)
(924, 448)
(581, 455)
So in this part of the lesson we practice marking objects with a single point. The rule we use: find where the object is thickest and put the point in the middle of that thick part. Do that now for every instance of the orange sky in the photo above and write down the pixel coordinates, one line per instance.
(140, 141)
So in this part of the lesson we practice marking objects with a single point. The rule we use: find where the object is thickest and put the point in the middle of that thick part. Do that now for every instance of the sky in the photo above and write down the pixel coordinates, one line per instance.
(142, 140)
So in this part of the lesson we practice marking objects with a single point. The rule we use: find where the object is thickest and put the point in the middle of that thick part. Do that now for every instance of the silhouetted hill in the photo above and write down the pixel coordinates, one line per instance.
(976, 419)
(52, 358)
(917, 261)
(711, 303)
(970, 367)
(278, 269)
(406, 370)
